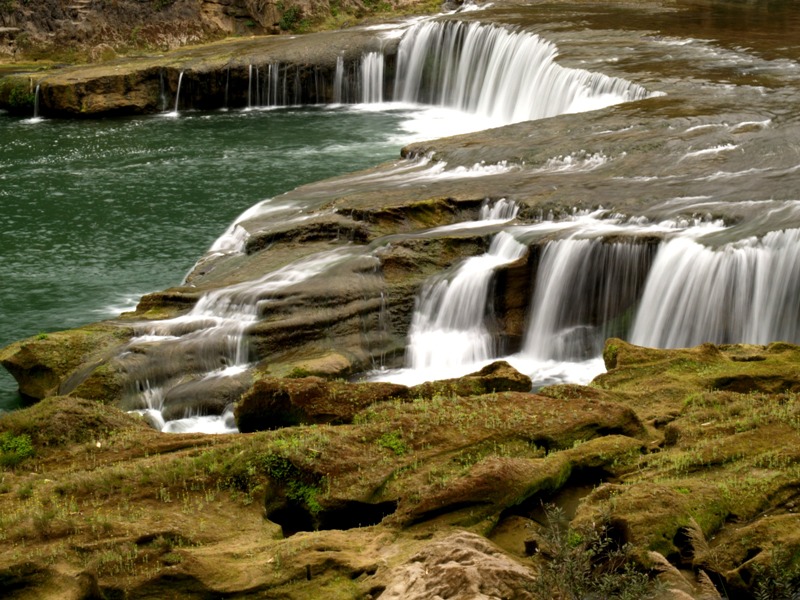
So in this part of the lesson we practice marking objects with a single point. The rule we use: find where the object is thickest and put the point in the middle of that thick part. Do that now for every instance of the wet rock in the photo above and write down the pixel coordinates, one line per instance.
(203, 396)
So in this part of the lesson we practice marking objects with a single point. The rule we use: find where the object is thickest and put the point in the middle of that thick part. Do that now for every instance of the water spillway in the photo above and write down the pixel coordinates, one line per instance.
(500, 75)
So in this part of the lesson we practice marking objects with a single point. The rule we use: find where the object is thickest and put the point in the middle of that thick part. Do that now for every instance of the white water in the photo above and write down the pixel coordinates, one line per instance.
(372, 78)
(36, 102)
(213, 336)
(501, 75)
(449, 329)
(743, 292)
(338, 81)
(174, 112)
(250, 86)
(585, 290)
(582, 286)
(495, 75)
(178, 92)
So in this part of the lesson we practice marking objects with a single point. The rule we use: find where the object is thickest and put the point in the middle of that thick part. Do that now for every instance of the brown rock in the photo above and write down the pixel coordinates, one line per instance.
(272, 403)
(496, 377)
(461, 566)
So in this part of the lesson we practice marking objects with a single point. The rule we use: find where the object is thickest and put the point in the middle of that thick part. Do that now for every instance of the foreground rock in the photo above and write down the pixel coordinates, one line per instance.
(436, 495)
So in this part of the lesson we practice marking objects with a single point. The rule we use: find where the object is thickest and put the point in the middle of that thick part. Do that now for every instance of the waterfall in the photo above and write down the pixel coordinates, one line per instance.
(178, 93)
(585, 292)
(502, 75)
(162, 92)
(250, 87)
(502, 210)
(372, 78)
(338, 81)
(746, 291)
(227, 85)
(449, 326)
(36, 102)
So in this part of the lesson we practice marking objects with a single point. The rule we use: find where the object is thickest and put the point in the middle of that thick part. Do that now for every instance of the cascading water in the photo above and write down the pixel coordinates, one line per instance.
(36, 102)
(250, 86)
(210, 341)
(451, 310)
(585, 292)
(372, 78)
(449, 327)
(502, 75)
(338, 81)
(162, 91)
(745, 291)
(178, 94)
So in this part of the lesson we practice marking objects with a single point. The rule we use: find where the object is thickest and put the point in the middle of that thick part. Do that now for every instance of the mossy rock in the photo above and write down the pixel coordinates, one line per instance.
(44, 364)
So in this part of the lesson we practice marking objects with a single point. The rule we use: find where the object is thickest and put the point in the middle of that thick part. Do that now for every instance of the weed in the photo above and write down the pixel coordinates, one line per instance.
(779, 580)
(586, 564)
(290, 16)
(393, 440)
(14, 449)
(296, 372)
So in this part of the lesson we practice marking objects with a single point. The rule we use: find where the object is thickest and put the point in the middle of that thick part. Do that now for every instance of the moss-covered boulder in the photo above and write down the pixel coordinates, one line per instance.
(55, 363)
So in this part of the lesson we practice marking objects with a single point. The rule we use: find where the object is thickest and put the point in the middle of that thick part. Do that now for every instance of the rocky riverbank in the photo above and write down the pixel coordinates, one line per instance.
(682, 455)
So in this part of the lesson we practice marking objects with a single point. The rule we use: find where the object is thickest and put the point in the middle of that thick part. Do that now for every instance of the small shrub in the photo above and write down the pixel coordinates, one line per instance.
(393, 440)
(778, 581)
(290, 18)
(298, 373)
(14, 449)
(587, 564)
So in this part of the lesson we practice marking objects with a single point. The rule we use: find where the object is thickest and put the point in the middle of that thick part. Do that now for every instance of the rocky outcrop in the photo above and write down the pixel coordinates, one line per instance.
(272, 403)
(211, 77)
(496, 377)
(403, 499)
(47, 364)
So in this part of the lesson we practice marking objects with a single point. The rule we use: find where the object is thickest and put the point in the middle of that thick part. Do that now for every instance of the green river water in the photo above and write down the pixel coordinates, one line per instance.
(94, 214)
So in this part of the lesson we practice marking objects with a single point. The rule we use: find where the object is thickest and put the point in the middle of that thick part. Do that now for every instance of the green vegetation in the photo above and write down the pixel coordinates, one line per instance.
(14, 449)
(393, 440)
(587, 563)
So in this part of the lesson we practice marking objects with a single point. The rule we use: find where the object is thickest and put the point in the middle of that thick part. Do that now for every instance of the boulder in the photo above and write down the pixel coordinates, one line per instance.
(272, 403)
(54, 363)
(496, 377)
(460, 566)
